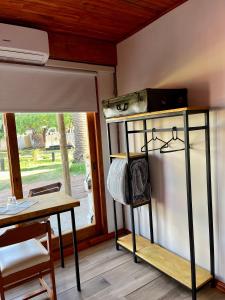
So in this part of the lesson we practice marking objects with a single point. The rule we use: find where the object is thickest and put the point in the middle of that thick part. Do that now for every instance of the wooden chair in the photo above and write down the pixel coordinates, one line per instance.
(24, 258)
(47, 189)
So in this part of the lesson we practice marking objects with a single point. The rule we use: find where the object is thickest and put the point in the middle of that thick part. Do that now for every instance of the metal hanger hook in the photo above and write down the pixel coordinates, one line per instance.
(154, 138)
(174, 133)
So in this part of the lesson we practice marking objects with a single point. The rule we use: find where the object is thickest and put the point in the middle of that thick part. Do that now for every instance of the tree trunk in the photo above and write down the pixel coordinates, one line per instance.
(80, 136)
(64, 154)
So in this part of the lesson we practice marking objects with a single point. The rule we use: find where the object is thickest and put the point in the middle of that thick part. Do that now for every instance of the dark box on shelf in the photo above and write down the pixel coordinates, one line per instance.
(147, 100)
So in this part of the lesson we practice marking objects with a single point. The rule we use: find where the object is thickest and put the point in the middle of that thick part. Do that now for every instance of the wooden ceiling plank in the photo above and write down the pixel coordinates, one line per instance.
(106, 14)
(105, 10)
(118, 8)
(100, 23)
(80, 49)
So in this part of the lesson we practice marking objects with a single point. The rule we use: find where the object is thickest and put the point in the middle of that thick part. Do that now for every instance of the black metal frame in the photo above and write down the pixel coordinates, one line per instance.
(130, 192)
(132, 205)
(150, 198)
(189, 205)
(60, 241)
(74, 233)
(186, 129)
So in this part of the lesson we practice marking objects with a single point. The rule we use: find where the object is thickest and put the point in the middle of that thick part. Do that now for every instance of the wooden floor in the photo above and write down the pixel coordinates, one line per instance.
(107, 274)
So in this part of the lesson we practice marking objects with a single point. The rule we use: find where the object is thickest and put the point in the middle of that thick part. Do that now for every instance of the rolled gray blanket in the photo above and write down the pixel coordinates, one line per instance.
(139, 179)
(117, 180)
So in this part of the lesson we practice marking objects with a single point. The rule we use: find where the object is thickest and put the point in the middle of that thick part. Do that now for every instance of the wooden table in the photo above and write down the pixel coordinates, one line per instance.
(48, 205)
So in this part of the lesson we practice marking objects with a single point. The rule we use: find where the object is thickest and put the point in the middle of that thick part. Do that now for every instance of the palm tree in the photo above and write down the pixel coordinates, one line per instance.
(80, 136)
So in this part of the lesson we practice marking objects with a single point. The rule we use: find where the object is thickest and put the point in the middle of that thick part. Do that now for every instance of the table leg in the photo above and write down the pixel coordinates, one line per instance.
(75, 249)
(60, 241)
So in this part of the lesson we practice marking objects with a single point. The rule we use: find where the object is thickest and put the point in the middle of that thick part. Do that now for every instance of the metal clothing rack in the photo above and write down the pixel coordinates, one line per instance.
(184, 271)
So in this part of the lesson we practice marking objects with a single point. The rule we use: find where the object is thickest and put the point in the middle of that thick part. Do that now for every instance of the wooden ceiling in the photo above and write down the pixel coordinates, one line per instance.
(108, 21)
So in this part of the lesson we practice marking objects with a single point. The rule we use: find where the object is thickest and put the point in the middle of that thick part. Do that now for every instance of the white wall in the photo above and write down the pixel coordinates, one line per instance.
(185, 48)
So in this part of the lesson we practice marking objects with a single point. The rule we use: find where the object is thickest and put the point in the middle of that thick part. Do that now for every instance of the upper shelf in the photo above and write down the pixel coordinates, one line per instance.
(161, 113)
(124, 155)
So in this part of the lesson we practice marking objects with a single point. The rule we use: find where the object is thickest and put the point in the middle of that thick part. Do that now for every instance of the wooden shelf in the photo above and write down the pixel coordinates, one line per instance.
(166, 261)
(138, 203)
(124, 155)
(191, 109)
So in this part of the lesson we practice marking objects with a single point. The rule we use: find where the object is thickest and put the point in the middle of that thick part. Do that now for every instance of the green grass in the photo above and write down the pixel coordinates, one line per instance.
(37, 165)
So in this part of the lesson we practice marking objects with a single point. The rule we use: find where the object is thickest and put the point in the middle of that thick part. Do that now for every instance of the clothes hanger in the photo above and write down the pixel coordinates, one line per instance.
(174, 138)
(153, 139)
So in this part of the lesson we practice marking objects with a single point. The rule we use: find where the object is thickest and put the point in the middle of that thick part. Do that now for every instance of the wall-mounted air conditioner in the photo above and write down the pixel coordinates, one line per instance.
(25, 45)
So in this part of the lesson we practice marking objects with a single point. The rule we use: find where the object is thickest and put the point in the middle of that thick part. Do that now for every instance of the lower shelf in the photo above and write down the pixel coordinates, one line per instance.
(166, 261)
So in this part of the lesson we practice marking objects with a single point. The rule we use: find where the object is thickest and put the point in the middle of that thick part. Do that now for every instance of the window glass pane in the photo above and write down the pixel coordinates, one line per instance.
(45, 159)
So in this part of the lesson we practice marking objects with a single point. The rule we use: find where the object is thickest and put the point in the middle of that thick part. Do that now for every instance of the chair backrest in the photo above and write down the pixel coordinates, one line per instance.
(46, 189)
(23, 233)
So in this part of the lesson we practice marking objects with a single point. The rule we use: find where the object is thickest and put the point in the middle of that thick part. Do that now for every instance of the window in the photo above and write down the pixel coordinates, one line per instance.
(55, 147)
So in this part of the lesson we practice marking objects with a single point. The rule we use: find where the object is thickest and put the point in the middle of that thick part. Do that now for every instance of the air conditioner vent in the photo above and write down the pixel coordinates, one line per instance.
(21, 44)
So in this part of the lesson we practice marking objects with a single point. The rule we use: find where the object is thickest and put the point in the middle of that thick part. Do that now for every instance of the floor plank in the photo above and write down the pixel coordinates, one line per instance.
(163, 288)
(89, 288)
(108, 274)
(127, 278)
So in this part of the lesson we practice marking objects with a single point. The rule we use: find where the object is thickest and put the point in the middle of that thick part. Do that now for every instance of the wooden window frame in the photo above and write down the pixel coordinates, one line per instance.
(13, 155)
(94, 135)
